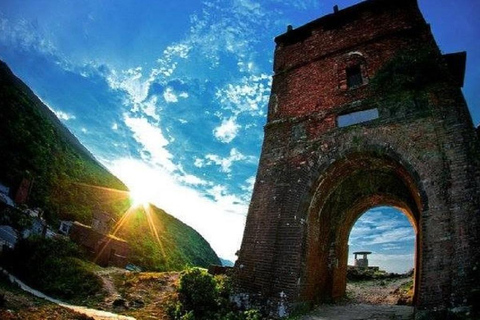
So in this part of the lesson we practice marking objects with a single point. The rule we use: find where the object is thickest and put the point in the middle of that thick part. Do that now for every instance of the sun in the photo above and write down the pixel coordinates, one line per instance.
(139, 197)
(138, 177)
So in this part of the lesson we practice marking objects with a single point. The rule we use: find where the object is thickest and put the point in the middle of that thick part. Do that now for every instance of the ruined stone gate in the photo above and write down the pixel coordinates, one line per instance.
(364, 111)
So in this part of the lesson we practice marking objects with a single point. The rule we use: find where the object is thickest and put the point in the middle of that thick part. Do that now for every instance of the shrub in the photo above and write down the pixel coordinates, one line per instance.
(202, 296)
(52, 266)
(198, 292)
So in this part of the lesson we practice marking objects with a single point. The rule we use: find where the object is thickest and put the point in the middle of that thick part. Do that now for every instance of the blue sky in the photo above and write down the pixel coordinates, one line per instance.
(171, 96)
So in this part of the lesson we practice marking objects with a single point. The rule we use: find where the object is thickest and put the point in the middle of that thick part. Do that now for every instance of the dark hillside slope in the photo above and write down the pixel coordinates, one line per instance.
(35, 145)
(70, 184)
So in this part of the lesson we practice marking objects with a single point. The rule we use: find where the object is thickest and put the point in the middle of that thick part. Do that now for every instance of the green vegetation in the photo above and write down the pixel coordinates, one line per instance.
(202, 296)
(53, 266)
(404, 82)
(70, 184)
(177, 246)
(410, 72)
(36, 146)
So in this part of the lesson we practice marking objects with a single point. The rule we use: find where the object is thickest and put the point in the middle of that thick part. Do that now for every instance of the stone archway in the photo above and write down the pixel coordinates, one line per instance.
(357, 118)
(345, 191)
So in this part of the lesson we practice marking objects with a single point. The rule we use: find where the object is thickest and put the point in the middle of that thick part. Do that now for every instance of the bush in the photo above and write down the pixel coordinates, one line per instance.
(202, 296)
(52, 266)
(198, 292)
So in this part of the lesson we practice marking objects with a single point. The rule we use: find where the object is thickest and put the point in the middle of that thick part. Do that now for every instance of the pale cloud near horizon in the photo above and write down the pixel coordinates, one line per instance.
(398, 263)
(224, 212)
(63, 115)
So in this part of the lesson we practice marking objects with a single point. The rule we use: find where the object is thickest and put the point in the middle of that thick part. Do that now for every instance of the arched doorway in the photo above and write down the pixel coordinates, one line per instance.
(385, 273)
(346, 190)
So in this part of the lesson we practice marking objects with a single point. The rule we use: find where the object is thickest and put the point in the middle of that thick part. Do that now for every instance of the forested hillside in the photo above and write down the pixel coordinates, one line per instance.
(70, 184)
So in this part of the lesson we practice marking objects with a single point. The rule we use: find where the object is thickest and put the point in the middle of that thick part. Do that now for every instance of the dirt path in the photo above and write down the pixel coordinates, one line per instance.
(95, 314)
(368, 300)
(380, 291)
(361, 312)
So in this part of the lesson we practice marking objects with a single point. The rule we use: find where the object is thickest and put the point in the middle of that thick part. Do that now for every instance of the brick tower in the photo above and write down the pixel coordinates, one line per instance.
(364, 111)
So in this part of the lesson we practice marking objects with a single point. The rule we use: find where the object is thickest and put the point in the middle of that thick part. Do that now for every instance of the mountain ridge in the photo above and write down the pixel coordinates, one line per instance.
(69, 183)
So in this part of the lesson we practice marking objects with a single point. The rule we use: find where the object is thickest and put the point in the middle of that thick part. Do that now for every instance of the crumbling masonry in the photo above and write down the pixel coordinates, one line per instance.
(364, 111)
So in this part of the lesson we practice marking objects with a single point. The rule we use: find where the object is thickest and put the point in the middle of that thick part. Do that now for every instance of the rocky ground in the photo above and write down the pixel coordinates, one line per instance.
(387, 298)
(17, 305)
(140, 295)
(393, 291)
(145, 296)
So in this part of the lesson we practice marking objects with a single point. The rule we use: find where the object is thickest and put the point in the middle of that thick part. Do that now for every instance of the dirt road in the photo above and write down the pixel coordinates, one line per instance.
(367, 300)
(361, 312)
(95, 314)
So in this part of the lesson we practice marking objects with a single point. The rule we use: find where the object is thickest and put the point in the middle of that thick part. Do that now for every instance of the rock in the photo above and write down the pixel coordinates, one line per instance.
(120, 303)
(136, 303)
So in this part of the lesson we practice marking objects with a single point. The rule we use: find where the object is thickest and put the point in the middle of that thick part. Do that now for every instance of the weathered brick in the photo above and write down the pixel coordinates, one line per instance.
(315, 178)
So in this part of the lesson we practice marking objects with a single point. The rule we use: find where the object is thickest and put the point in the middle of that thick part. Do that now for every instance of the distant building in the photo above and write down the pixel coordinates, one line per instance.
(361, 262)
(65, 227)
(4, 195)
(8, 237)
(23, 191)
(102, 248)
(102, 222)
(4, 189)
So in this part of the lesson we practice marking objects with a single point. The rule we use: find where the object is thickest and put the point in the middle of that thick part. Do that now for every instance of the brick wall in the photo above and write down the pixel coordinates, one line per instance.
(315, 178)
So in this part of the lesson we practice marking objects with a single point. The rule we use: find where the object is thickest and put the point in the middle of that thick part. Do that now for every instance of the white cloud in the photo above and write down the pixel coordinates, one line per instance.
(153, 141)
(169, 60)
(231, 30)
(247, 188)
(192, 180)
(26, 35)
(132, 82)
(149, 108)
(249, 95)
(220, 220)
(199, 163)
(225, 163)
(115, 126)
(63, 115)
(227, 131)
(170, 96)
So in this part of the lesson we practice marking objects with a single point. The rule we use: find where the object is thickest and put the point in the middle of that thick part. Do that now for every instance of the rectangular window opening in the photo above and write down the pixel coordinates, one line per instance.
(356, 117)
(354, 76)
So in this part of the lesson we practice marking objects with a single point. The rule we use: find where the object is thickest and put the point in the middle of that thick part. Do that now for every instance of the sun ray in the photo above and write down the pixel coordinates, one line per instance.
(120, 223)
(148, 211)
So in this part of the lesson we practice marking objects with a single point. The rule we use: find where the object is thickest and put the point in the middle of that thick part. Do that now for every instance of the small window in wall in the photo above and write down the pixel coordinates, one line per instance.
(354, 76)
(349, 119)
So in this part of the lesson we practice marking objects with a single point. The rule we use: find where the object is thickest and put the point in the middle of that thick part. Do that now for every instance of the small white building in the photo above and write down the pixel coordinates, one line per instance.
(8, 237)
(361, 262)
(65, 227)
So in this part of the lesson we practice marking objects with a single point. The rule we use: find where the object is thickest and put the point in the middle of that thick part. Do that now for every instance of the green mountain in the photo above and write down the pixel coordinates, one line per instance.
(164, 243)
(70, 184)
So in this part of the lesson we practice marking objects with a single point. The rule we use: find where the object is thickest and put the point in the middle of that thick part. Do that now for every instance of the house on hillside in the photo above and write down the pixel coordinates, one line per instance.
(8, 237)
(102, 222)
(65, 227)
(4, 196)
(101, 247)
